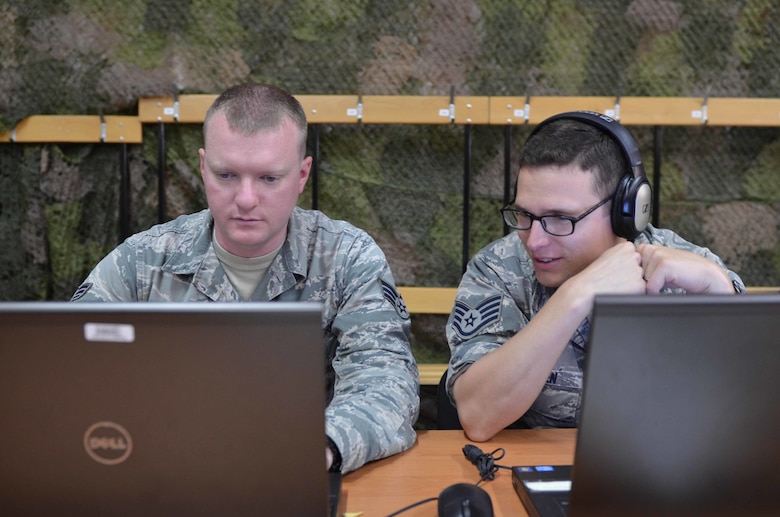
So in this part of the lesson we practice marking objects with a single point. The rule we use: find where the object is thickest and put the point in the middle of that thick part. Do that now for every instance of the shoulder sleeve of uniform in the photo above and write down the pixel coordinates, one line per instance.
(112, 280)
(376, 394)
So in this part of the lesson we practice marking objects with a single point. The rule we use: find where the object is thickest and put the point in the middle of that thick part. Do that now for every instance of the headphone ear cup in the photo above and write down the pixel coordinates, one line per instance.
(631, 207)
(642, 195)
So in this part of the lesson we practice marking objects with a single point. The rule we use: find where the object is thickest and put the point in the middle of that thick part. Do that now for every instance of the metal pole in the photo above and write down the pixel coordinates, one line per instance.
(658, 136)
(466, 193)
(124, 194)
(161, 209)
(508, 194)
(315, 167)
(508, 165)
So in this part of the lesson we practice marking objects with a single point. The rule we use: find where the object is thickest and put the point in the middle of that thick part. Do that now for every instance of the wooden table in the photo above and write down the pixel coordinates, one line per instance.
(437, 461)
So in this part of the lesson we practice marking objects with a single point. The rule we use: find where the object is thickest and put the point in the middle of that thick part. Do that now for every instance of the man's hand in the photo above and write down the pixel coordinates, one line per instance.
(673, 268)
(617, 271)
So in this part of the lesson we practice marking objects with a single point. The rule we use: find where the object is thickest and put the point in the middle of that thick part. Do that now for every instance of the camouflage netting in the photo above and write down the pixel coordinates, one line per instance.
(404, 184)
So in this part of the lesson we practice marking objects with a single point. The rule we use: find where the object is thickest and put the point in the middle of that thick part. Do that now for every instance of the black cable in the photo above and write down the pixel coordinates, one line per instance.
(418, 503)
(485, 462)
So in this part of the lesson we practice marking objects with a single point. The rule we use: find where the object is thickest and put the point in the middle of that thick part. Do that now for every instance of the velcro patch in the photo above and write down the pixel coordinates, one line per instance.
(81, 291)
(394, 297)
(467, 321)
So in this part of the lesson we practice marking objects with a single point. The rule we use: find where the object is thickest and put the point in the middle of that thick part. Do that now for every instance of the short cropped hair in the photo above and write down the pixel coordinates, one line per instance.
(253, 107)
(571, 142)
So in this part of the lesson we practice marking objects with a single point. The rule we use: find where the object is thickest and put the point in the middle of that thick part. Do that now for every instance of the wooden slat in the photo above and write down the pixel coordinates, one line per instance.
(661, 111)
(508, 110)
(193, 108)
(762, 290)
(156, 109)
(394, 109)
(472, 110)
(58, 128)
(330, 109)
(399, 109)
(428, 300)
(430, 373)
(186, 109)
(513, 110)
(545, 107)
(743, 112)
(122, 129)
(440, 300)
(674, 111)
(77, 129)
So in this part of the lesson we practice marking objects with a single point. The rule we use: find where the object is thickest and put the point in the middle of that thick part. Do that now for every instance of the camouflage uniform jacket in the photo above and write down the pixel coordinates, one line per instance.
(372, 377)
(498, 296)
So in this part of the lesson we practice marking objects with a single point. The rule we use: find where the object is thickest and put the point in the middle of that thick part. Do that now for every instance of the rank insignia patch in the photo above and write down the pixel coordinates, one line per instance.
(467, 321)
(392, 296)
(81, 291)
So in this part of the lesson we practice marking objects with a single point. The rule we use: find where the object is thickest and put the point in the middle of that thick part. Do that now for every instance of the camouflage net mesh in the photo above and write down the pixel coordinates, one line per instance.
(59, 203)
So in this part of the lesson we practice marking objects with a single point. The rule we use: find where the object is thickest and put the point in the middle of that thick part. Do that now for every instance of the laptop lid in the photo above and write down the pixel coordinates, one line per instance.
(177, 409)
(681, 408)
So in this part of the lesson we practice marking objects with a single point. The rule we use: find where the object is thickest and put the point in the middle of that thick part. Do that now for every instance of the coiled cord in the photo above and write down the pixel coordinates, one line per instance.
(485, 462)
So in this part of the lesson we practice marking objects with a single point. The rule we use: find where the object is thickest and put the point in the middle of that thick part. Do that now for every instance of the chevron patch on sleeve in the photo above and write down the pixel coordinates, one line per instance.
(467, 321)
(394, 297)
(81, 291)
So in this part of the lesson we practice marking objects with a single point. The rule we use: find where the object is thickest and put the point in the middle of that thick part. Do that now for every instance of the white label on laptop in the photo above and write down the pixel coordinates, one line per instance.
(109, 332)
(548, 486)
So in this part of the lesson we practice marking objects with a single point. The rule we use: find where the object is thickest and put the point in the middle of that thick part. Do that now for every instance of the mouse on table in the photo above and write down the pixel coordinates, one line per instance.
(465, 500)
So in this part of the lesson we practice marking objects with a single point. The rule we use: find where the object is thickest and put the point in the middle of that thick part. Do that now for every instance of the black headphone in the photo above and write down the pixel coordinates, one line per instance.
(632, 198)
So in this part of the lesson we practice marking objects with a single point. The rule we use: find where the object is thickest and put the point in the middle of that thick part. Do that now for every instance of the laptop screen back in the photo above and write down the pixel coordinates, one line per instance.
(681, 408)
(177, 409)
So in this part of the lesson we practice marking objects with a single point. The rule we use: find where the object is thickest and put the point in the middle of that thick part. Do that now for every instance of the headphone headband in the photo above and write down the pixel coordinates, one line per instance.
(631, 200)
(610, 126)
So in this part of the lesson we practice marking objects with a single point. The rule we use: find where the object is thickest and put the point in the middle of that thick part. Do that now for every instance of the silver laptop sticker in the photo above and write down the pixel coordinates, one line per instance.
(109, 332)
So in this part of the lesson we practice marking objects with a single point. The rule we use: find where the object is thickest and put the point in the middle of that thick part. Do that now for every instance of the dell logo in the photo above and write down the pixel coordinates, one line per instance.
(108, 443)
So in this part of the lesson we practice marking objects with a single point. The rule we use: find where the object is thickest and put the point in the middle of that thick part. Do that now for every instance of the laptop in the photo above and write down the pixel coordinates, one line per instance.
(162, 409)
(680, 412)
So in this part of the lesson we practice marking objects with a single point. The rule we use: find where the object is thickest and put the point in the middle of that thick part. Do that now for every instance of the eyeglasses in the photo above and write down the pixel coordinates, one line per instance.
(558, 225)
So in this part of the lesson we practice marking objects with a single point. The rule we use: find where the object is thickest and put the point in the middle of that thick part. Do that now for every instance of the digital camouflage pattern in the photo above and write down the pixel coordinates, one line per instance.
(499, 294)
(372, 377)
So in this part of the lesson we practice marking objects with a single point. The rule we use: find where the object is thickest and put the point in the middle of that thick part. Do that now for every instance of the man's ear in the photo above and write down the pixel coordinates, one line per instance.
(202, 155)
(304, 173)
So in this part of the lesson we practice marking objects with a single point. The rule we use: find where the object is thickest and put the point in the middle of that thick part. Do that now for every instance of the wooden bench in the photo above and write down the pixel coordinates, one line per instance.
(439, 300)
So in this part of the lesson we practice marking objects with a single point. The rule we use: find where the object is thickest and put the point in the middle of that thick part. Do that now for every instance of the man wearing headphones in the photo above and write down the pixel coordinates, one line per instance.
(519, 327)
